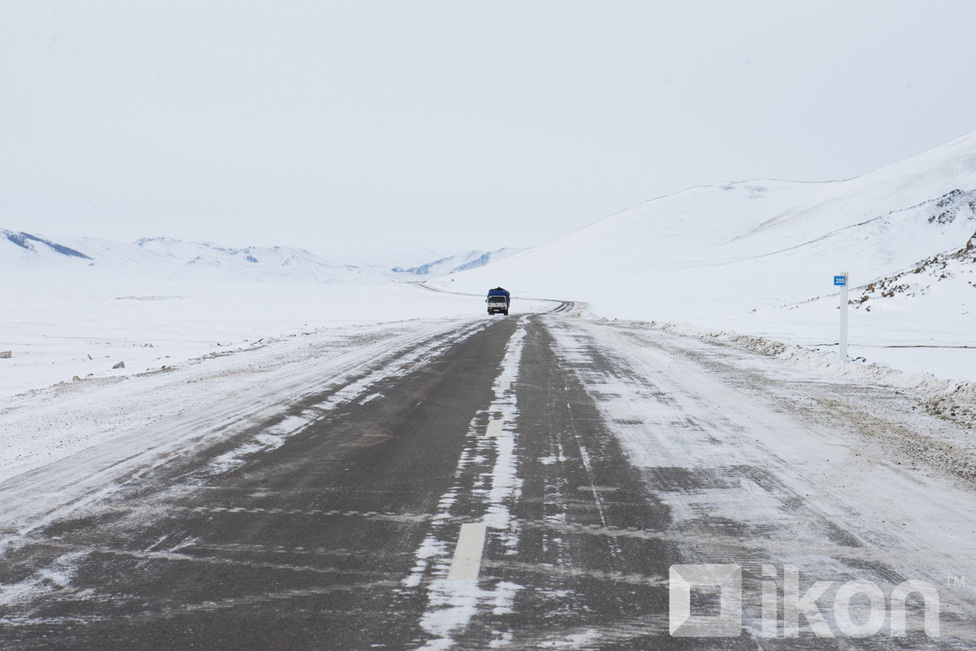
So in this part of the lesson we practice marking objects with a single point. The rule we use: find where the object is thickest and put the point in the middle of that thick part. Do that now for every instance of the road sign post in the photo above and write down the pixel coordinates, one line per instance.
(841, 281)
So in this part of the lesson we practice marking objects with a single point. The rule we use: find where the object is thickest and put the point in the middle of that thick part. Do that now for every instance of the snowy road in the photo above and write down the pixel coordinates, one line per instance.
(519, 482)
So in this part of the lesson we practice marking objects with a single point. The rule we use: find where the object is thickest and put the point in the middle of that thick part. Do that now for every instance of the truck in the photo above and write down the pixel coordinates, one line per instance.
(498, 300)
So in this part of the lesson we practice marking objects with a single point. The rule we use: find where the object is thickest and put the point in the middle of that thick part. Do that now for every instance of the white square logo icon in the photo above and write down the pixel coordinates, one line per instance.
(728, 580)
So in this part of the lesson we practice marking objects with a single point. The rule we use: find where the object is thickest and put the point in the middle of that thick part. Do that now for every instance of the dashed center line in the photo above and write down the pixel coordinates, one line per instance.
(598, 489)
(374, 515)
(467, 555)
(494, 427)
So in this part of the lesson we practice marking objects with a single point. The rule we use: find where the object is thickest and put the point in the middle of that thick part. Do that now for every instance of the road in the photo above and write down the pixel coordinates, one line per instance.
(530, 485)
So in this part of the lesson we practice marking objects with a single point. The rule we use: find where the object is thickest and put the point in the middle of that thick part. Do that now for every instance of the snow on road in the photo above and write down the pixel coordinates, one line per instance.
(763, 456)
(763, 463)
(75, 441)
(454, 596)
(203, 361)
(764, 453)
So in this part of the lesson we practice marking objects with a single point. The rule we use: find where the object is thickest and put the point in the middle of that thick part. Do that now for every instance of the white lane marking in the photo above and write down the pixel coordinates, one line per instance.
(495, 427)
(467, 555)
(506, 385)
(598, 489)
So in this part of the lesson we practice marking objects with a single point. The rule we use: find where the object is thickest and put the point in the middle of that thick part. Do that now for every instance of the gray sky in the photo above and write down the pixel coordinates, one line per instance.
(453, 125)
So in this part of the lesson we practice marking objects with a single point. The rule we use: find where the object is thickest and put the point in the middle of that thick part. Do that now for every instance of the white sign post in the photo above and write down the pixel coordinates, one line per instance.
(841, 281)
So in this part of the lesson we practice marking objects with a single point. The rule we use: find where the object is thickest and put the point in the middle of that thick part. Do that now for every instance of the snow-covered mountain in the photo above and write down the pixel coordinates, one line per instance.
(31, 244)
(458, 263)
(165, 258)
(173, 259)
(727, 250)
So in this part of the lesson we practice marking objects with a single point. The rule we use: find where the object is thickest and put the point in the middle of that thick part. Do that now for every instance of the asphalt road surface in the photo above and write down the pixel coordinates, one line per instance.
(486, 498)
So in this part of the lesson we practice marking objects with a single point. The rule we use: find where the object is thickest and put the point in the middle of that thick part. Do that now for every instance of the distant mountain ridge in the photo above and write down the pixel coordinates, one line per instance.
(174, 259)
(458, 263)
(167, 257)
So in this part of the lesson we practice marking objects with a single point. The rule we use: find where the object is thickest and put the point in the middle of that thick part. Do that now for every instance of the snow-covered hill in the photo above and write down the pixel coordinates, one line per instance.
(732, 248)
(751, 256)
(37, 246)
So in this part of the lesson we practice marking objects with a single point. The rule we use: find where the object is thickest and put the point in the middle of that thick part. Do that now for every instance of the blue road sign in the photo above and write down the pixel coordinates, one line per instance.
(840, 280)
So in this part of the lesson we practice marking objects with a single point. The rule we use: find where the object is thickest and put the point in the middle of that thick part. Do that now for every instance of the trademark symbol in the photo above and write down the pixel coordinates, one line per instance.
(955, 581)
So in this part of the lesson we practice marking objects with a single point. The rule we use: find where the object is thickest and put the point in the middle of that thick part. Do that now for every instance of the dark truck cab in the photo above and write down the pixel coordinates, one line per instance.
(498, 300)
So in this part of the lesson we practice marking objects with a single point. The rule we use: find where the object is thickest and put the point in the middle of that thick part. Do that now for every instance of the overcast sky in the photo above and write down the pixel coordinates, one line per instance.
(453, 125)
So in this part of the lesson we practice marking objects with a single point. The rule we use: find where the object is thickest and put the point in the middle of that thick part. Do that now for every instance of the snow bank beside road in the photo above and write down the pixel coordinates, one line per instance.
(952, 399)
